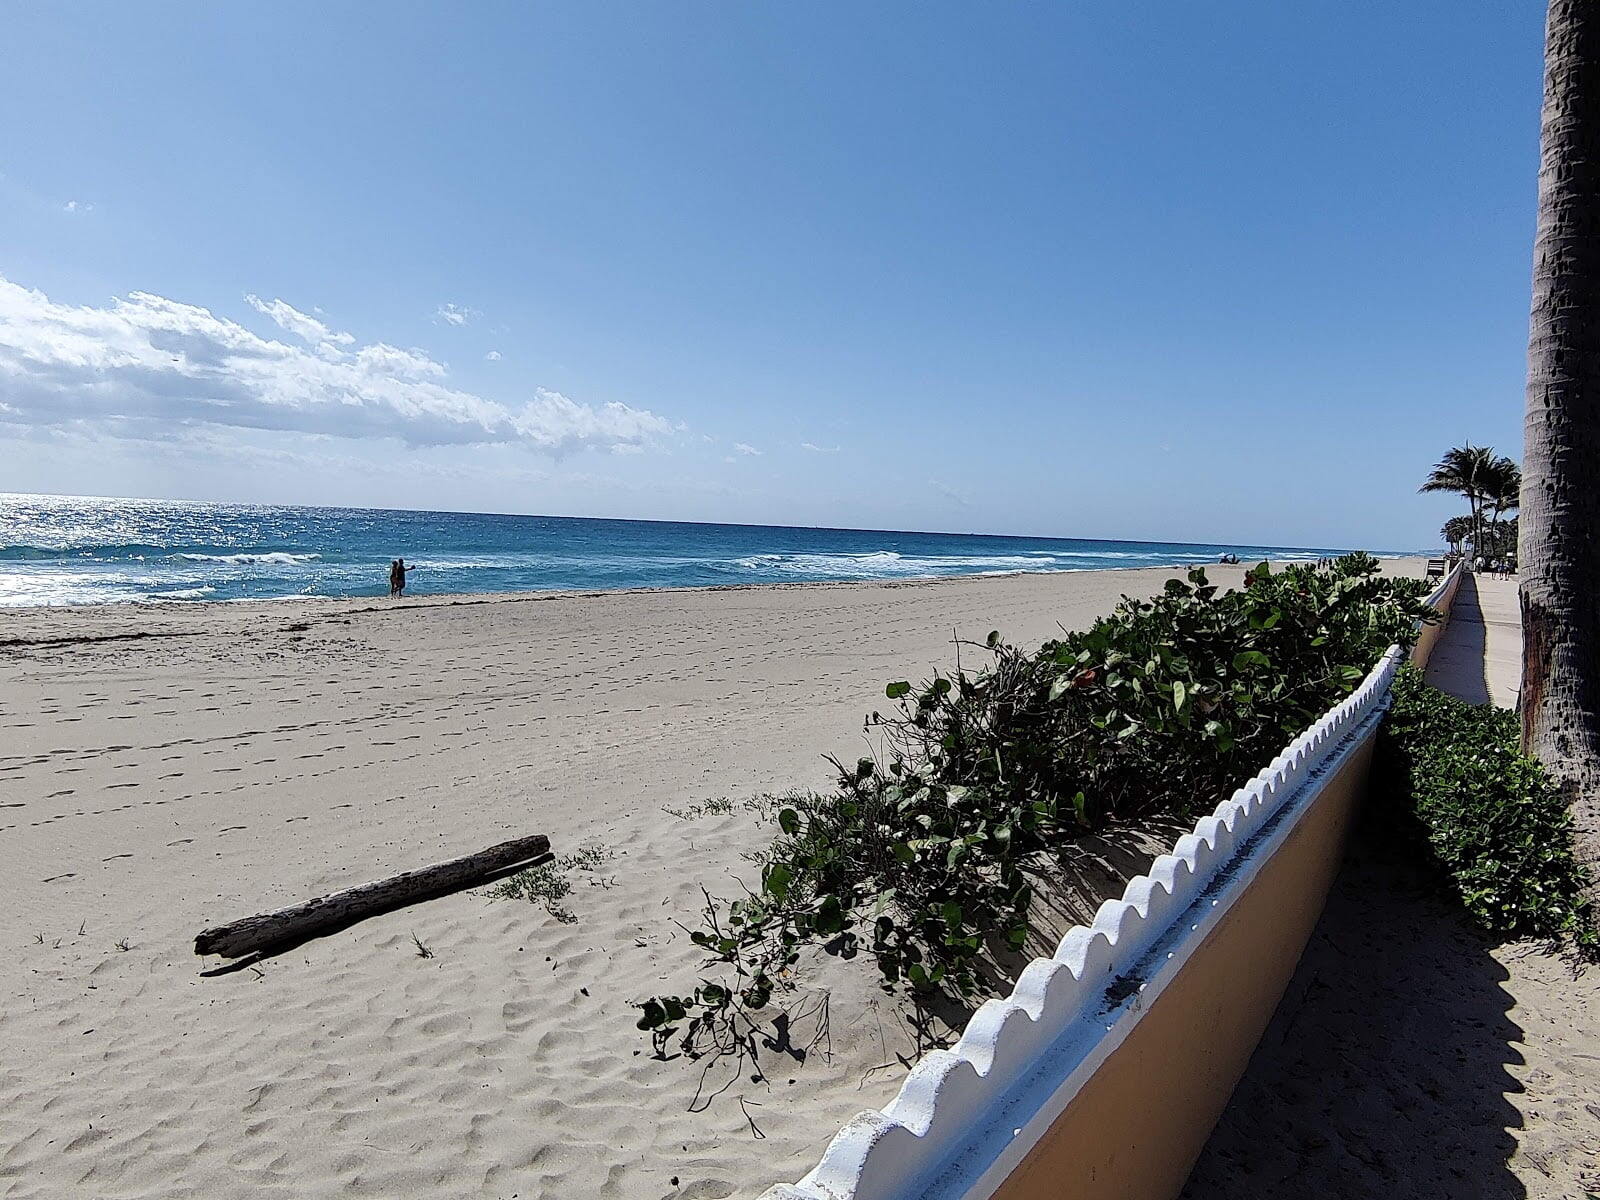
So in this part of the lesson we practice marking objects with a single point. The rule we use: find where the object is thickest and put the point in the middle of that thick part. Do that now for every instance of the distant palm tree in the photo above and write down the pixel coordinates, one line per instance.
(1455, 532)
(1504, 487)
(1559, 554)
(1467, 471)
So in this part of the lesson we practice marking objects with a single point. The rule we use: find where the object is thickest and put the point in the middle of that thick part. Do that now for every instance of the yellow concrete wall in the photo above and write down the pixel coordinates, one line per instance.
(1131, 1124)
(1429, 635)
(1135, 1128)
(1137, 1125)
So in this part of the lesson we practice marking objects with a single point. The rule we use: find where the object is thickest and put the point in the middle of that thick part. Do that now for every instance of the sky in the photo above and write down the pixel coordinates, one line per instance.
(1233, 272)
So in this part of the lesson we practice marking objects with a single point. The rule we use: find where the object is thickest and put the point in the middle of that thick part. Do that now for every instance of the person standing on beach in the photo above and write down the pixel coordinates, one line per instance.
(396, 577)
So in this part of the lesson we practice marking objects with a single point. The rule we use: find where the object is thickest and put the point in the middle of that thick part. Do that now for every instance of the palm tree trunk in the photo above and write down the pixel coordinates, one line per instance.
(1560, 527)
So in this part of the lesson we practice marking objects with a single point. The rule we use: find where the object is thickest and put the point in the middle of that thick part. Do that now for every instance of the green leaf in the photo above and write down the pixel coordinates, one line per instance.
(830, 915)
(775, 880)
(1180, 695)
(654, 1016)
(895, 690)
(789, 821)
(757, 995)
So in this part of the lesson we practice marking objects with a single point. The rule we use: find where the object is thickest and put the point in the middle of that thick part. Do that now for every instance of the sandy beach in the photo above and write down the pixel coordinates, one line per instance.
(166, 768)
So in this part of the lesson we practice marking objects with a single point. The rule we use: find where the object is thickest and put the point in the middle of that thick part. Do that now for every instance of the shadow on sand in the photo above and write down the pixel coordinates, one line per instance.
(1458, 663)
(1383, 1073)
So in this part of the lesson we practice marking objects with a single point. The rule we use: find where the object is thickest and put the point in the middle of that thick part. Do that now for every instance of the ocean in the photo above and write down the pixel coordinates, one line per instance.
(83, 550)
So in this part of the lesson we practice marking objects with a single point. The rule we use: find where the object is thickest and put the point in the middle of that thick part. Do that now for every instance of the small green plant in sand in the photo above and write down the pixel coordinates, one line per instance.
(927, 857)
(719, 806)
(1455, 788)
(550, 883)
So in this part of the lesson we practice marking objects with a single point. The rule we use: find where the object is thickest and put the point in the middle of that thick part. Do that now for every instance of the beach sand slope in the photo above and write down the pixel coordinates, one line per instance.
(164, 769)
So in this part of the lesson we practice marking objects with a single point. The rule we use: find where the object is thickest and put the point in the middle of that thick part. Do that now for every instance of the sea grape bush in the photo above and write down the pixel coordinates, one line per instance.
(1455, 790)
(927, 857)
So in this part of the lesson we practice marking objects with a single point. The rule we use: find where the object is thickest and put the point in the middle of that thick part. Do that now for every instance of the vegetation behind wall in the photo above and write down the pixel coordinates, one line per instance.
(1452, 783)
(928, 855)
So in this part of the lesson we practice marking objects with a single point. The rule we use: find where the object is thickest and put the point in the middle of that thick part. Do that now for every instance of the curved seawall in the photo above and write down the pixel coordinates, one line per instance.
(1103, 1073)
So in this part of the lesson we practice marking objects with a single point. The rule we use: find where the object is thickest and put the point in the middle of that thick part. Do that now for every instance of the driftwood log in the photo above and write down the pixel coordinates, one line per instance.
(340, 909)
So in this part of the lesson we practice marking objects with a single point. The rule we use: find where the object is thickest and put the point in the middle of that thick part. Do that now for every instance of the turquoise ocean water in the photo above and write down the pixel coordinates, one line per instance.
(78, 550)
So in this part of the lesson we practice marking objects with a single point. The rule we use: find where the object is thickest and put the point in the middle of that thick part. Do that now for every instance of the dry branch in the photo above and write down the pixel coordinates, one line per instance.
(339, 909)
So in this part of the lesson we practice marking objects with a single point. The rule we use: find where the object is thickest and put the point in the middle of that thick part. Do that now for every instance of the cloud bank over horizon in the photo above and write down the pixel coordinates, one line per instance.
(146, 364)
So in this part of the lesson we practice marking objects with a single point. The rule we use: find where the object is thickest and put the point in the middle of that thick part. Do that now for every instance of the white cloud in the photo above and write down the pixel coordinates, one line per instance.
(456, 314)
(815, 449)
(742, 448)
(302, 325)
(146, 366)
(493, 356)
(77, 206)
(380, 358)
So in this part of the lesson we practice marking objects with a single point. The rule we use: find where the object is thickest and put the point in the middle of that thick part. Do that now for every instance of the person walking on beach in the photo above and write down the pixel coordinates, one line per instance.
(397, 577)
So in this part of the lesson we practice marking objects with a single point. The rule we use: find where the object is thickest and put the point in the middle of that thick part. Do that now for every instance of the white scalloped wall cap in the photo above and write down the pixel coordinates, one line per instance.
(1060, 1005)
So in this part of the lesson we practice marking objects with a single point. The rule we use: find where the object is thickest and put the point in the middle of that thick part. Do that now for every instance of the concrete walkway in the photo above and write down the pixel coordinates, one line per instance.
(1479, 658)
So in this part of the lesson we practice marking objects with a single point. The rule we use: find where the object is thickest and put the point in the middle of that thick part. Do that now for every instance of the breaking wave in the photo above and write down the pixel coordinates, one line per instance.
(278, 558)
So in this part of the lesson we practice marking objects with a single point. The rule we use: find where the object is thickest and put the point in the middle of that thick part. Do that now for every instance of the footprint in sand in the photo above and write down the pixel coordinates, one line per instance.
(181, 842)
(68, 875)
(114, 857)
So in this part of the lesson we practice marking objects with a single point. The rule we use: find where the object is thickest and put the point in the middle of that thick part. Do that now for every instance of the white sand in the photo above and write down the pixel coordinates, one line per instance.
(166, 769)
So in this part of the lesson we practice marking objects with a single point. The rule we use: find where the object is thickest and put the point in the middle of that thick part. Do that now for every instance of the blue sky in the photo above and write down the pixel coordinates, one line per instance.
(1223, 272)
